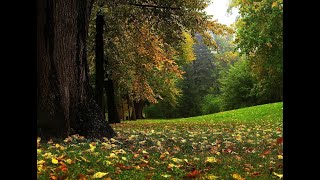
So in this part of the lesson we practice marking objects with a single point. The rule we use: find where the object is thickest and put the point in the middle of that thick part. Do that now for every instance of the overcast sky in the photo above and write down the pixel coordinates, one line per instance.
(219, 11)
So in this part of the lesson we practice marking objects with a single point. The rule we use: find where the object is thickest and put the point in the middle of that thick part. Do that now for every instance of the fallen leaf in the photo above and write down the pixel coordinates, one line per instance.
(54, 161)
(81, 177)
(278, 175)
(177, 160)
(83, 158)
(165, 175)
(99, 175)
(254, 174)
(237, 177)
(266, 152)
(280, 140)
(274, 4)
(211, 177)
(193, 174)
(210, 160)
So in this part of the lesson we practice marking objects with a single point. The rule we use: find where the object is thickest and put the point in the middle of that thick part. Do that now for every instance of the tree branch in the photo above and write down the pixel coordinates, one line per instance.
(146, 5)
(153, 6)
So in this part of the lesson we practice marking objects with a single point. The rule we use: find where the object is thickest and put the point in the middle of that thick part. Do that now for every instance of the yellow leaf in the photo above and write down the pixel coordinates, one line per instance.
(57, 145)
(38, 139)
(106, 145)
(165, 175)
(280, 157)
(86, 160)
(47, 155)
(112, 155)
(69, 161)
(124, 158)
(171, 165)
(211, 177)
(99, 175)
(107, 162)
(177, 160)
(211, 160)
(278, 175)
(39, 151)
(158, 143)
(92, 147)
(54, 161)
(274, 4)
(237, 177)
(40, 162)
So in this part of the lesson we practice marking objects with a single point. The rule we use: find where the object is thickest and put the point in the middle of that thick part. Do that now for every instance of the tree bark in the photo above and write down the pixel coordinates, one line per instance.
(113, 116)
(65, 103)
(128, 101)
(133, 113)
(138, 106)
(99, 84)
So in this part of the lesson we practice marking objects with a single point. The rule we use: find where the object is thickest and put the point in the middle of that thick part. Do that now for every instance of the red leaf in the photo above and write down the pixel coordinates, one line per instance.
(254, 174)
(193, 174)
(280, 140)
(266, 152)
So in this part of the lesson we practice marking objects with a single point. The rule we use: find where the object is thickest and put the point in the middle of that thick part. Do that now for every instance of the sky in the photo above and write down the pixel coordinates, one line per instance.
(219, 11)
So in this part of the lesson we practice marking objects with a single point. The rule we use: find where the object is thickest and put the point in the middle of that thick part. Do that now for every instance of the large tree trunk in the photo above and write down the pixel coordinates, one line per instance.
(99, 63)
(65, 101)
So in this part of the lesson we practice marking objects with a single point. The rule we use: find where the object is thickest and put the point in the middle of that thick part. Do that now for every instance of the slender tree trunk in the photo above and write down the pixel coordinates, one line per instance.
(138, 106)
(128, 101)
(113, 116)
(133, 114)
(65, 103)
(99, 63)
(122, 107)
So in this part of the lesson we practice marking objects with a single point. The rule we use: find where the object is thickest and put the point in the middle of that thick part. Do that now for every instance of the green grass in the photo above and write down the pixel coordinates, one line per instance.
(244, 142)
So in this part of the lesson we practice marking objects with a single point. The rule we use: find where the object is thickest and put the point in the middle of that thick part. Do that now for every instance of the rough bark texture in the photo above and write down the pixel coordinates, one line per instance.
(99, 63)
(65, 103)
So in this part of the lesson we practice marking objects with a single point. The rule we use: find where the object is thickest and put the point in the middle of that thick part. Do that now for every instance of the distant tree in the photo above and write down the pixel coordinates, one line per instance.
(197, 80)
(237, 87)
(260, 36)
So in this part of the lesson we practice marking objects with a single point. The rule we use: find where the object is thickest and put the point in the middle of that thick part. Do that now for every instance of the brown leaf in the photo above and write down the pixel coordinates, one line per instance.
(124, 167)
(81, 177)
(143, 165)
(255, 174)
(193, 174)
(266, 152)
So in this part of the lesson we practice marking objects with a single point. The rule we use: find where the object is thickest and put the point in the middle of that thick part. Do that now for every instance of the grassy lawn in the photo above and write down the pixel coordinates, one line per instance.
(239, 144)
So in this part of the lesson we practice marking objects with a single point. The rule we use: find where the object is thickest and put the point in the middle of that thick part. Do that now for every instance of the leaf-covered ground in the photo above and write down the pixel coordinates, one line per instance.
(239, 144)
